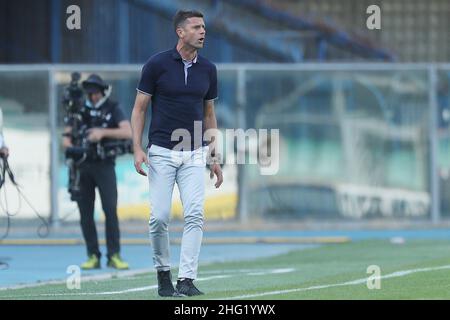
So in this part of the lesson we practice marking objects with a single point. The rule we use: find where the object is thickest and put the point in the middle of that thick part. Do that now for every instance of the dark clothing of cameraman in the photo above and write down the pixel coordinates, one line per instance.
(106, 116)
(103, 176)
(105, 122)
(100, 173)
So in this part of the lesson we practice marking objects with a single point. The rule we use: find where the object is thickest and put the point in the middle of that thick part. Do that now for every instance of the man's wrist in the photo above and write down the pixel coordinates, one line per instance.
(103, 133)
(214, 158)
(137, 145)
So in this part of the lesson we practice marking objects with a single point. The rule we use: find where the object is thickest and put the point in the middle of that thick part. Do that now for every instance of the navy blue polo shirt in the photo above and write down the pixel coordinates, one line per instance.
(177, 101)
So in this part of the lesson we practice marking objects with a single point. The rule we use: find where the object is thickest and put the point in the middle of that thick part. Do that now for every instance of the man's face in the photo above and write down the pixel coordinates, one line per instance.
(193, 32)
(94, 97)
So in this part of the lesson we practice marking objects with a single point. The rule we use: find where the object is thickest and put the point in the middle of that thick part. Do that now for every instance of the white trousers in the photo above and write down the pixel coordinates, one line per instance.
(187, 169)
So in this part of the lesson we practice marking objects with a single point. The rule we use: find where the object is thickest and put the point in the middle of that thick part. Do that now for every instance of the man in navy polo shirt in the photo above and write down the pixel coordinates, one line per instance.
(182, 86)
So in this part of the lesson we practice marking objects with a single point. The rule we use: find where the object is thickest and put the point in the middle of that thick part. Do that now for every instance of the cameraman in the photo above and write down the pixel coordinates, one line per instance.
(4, 152)
(105, 120)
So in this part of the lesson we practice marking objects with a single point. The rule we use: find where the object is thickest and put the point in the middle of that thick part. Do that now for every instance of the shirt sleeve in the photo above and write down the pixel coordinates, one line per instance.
(212, 92)
(149, 76)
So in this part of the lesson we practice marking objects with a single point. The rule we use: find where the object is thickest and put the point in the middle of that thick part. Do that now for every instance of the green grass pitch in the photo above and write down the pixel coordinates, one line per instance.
(418, 269)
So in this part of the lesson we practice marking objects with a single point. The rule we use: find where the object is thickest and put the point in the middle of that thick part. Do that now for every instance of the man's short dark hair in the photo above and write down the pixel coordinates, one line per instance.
(181, 16)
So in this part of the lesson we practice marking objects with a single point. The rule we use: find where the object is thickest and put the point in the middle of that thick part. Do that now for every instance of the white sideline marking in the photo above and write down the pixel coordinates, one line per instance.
(274, 271)
(103, 276)
(233, 271)
(348, 283)
(146, 288)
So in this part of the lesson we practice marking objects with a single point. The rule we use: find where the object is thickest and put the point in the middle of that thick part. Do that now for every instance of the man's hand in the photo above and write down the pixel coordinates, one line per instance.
(95, 134)
(4, 152)
(139, 158)
(216, 170)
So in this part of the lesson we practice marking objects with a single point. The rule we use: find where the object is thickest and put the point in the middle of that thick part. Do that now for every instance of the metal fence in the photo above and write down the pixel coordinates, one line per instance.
(356, 141)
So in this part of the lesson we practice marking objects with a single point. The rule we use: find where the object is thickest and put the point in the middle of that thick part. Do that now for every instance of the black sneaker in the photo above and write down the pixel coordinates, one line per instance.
(186, 287)
(165, 285)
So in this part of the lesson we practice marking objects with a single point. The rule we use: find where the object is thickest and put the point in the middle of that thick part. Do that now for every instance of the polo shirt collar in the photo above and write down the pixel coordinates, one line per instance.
(176, 55)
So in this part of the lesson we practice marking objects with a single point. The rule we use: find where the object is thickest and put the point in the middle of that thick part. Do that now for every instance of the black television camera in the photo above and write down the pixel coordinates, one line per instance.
(74, 103)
